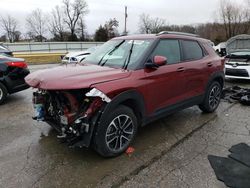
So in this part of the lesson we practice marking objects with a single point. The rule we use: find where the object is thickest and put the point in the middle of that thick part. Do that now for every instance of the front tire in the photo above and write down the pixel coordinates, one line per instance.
(116, 132)
(212, 98)
(3, 93)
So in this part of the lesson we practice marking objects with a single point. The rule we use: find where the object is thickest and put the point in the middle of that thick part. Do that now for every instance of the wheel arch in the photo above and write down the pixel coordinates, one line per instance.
(132, 99)
(3, 81)
(217, 76)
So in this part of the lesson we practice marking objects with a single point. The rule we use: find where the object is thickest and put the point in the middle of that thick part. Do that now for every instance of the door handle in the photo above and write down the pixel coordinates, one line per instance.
(210, 64)
(180, 69)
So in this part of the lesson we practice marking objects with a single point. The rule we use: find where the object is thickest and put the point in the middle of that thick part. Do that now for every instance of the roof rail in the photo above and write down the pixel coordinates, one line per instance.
(176, 33)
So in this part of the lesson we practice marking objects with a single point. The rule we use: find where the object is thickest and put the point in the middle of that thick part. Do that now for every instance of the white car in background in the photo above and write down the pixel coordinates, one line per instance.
(5, 51)
(76, 57)
(238, 58)
(221, 48)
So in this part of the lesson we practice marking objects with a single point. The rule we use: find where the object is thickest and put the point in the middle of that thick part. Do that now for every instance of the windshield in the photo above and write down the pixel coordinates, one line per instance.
(92, 49)
(3, 49)
(119, 53)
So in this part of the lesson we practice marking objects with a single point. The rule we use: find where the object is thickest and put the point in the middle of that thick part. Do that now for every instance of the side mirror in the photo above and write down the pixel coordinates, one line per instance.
(160, 60)
(157, 61)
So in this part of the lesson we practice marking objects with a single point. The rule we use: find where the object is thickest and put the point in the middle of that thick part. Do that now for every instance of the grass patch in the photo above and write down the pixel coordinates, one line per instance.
(41, 58)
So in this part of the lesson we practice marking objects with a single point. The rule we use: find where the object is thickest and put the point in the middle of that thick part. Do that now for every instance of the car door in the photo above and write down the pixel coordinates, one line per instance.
(165, 84)
(196, 62)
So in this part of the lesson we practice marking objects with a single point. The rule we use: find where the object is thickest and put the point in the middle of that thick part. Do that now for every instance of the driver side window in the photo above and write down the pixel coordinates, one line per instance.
(170, 49)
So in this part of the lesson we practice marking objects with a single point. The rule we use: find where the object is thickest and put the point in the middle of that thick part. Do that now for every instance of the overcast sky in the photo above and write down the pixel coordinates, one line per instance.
(173, 11)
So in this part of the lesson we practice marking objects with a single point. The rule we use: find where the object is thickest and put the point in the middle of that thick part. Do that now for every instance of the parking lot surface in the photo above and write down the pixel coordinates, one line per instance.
(171, 152)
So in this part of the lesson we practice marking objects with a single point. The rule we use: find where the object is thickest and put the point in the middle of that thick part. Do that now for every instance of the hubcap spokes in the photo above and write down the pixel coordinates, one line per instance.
(119, 133)
(214, 97)
(1, 94)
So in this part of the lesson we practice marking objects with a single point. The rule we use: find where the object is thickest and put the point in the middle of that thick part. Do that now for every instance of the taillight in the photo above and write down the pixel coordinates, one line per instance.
(19, 64)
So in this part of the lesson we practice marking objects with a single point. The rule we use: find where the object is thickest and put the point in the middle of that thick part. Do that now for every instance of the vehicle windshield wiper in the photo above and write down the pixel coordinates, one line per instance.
(109, 53)
(127, 60)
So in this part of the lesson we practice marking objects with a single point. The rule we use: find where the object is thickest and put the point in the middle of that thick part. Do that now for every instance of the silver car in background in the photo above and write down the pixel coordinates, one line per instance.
(5, 51)
(76, 57)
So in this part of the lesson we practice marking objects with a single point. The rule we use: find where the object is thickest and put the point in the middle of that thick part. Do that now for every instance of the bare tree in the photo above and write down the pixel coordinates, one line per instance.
(145, 23)
(233, 17)
(17, 36)
(111, 28)
(81, 29)
(246, 28)
(37, 24)
(156, 25)
(73, 11)
(150, 25)
(57, 27)
(9, 25)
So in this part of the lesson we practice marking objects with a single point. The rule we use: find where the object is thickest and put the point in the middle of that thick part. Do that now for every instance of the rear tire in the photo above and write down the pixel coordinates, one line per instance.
(212, 98)
(116, 132)
(3, 93)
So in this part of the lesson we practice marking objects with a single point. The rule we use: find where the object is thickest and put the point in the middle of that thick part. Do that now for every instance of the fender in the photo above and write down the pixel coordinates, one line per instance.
(3, 81)
(122, 97)
(214, 76)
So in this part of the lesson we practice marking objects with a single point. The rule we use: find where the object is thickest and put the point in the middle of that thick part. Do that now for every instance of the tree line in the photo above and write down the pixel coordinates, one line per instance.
(66, 23)
(232, 19)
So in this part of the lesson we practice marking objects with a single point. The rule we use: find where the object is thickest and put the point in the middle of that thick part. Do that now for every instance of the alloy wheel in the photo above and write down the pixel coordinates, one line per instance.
(1, 93)
(119, 133)
(214, 97)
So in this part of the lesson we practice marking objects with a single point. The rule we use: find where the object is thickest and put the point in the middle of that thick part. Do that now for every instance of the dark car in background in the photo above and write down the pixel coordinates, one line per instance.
(5, 51)
(12, 73)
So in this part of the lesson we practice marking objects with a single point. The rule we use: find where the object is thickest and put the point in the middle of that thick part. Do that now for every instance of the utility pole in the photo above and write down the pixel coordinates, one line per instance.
(126, 15)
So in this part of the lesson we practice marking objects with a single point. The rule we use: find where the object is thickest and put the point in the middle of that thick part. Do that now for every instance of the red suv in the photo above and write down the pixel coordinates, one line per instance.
(126, 83)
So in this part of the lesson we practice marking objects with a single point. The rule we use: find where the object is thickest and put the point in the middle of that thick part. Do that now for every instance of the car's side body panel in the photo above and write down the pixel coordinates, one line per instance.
(160, 92)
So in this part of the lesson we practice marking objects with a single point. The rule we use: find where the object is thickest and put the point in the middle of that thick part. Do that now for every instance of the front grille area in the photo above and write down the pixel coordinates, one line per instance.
(237, 72)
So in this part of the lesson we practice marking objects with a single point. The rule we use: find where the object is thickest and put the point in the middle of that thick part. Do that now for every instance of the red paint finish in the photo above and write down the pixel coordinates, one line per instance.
(160, 60)
(160, 87)
(73, 77)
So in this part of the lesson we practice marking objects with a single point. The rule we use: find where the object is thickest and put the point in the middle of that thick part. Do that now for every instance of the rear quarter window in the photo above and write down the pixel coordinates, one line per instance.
(191, 50)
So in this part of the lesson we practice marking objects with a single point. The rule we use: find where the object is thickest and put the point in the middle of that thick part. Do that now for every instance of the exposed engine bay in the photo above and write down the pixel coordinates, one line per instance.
(72, 113)
(238, 59)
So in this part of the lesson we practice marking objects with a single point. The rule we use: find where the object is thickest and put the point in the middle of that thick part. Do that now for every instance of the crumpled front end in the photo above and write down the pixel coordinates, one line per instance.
(73, 113)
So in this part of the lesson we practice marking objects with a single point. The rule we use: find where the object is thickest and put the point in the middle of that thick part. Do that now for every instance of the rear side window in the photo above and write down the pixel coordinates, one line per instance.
(169, 49)
(191, 50)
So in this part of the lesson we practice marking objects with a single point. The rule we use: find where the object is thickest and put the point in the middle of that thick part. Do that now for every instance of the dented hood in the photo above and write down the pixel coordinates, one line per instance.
(73, 76)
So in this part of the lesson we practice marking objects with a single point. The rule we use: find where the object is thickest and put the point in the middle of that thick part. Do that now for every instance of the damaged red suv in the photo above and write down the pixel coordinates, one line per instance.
(125, 84)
